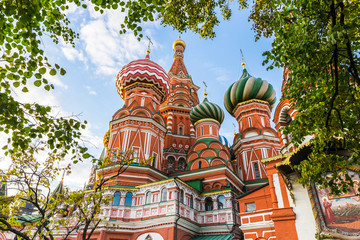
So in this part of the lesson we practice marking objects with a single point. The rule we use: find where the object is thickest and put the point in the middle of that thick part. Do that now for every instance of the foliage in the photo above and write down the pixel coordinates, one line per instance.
(59, 212)
(318, 41)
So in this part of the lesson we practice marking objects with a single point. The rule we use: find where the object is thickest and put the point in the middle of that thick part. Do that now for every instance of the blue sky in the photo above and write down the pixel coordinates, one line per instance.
(88, 89)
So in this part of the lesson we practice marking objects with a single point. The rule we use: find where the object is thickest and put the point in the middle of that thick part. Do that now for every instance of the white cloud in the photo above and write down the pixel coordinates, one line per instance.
(91, 92)
(72, 54)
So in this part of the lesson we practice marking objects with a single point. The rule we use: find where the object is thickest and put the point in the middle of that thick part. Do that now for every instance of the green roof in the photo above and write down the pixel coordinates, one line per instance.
(213, 237)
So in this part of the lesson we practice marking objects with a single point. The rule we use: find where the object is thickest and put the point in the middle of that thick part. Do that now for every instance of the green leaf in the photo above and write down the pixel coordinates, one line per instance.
(52, 72)
(37, 83)
(42, 70)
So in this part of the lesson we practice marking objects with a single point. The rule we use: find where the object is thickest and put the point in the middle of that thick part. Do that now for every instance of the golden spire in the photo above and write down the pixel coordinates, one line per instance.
(234, 129)
(205, 93)
(242, 58)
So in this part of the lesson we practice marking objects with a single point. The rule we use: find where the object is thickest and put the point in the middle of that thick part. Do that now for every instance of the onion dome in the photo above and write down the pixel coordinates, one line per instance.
(248, 88)
(179, 42)
(224, 140)
(143, 71)
(206, 109)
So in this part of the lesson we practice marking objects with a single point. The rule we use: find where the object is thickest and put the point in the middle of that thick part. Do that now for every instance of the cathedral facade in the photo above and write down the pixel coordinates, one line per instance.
(186, 182)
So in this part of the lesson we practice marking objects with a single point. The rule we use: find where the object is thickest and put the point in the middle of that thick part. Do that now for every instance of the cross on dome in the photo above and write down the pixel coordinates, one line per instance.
(148, 49)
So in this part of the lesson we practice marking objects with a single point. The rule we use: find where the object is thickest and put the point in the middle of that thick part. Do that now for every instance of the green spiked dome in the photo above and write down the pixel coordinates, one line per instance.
(206, 109)
(247, 88)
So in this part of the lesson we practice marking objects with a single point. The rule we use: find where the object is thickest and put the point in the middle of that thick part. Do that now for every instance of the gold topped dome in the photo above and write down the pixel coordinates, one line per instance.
(179, 42)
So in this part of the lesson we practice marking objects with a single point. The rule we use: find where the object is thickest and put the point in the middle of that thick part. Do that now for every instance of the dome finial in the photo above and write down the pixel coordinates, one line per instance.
(205, 93)
(242, 59)
(148, 49)
(234, 129)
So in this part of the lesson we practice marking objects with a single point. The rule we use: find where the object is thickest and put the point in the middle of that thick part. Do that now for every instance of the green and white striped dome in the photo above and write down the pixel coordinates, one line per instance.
(247, 88)
(206, 109)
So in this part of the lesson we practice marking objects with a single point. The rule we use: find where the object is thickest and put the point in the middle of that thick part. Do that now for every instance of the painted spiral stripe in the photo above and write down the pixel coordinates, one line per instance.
(247, 88)
(206, 109)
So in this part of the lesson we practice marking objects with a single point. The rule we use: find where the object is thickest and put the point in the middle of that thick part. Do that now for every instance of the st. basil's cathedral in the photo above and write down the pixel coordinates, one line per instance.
(195, 185)
(188, 183)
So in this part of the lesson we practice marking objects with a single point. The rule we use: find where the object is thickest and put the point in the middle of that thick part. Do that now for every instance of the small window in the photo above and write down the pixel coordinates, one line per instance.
(250, 123)
(116, 199)
(201, 131)
(256, 170)
(142, 101)
(209, 204)
(148, 198)
(154, 160)
(191, 201)
(164, 193)
(210, 130)
(250, 207)
(181, 196)
(135, 154)
(221, 202)
(199, 164)
(181, 130)
(128, 199)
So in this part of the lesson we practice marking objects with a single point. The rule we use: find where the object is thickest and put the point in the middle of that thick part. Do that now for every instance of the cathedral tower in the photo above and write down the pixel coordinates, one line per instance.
(250, 101)
(138, 127)
(175, 110)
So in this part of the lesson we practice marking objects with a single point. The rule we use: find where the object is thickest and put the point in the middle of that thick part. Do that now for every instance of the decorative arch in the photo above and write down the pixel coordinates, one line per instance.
(217, 161)
(192, 156)
(199, 146)
(208, 153)
(195, 164)
(140, 112)
(216, 145)
(224, 154)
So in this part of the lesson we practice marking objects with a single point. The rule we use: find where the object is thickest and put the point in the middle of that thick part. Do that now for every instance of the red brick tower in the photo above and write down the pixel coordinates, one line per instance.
(250, 101)
(138, 125)
(175, 109)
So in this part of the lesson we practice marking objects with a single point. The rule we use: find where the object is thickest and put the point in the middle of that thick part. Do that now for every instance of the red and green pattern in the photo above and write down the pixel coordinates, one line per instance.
(206, 109)
(143, 71)
(247, 88)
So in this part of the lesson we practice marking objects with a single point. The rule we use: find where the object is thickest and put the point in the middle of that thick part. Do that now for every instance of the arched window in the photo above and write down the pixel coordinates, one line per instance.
(191, 201)
(164, 193)
(116, 199)
(201, 130)
(171, 163)
(181, 130)
(210, 130)
(250, 123)
(154, 160)
(221, 202)
(256, 170)
(181, 196)
(148, 198)
(182, 164)
(128, 199)
(199, 164)
(208, 204)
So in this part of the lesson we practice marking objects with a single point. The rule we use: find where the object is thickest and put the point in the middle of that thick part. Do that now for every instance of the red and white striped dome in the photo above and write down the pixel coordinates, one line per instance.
(143, 71)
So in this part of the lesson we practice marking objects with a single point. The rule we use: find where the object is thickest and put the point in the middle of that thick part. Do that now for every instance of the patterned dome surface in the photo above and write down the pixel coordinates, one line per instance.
(206, 109)
(224, 140)
(247, 88)
(143, 71)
